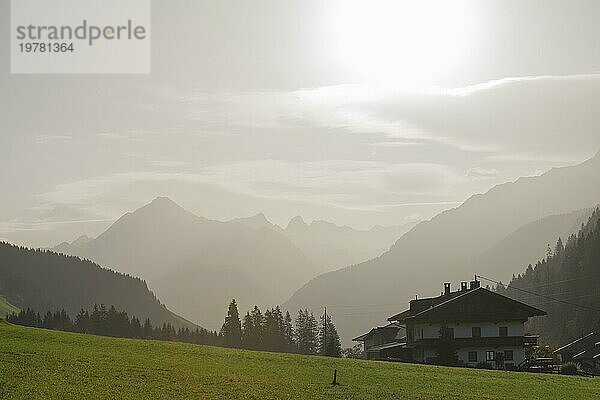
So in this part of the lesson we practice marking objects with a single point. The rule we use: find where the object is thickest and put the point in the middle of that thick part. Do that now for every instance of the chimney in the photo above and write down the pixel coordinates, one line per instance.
(447, 288)
(463, 286)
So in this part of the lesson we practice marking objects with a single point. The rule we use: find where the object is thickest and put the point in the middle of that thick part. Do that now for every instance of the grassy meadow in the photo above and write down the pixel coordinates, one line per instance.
(42, 364)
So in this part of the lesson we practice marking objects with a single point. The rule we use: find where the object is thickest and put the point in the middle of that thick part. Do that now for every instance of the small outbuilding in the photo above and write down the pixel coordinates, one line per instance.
(584, 351)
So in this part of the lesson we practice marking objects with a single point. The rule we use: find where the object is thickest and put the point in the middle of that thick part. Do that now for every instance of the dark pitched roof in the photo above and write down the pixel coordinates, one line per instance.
(435, 303)
(390, 326)
(585, 347)
(418, 305)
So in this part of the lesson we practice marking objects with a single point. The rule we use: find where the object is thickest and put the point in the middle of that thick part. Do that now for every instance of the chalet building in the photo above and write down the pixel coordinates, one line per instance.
(584, 351)
(483, 326)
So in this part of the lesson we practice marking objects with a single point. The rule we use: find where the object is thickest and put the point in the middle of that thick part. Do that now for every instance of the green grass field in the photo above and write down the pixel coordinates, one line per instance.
(41, 364)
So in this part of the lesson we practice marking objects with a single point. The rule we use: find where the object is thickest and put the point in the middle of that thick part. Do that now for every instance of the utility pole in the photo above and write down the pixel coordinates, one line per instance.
(325, 333)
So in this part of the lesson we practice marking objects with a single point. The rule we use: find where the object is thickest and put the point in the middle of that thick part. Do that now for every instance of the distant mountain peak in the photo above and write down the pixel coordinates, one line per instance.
(259, 217)
(160, 205)
(297, 221)
(257, 221)
(81, 240)
(163, 201)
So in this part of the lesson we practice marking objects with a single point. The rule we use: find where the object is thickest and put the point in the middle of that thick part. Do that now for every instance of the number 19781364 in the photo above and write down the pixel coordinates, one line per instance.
(41, 47)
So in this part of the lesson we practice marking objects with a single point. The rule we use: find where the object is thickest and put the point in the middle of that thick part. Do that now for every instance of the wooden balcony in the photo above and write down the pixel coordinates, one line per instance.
(496, 341)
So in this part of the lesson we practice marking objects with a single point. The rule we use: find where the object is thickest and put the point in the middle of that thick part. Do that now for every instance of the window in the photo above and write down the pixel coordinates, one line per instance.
(503, 331)
(490, 355)
(472, 356)
(508, 355)
(476, 332)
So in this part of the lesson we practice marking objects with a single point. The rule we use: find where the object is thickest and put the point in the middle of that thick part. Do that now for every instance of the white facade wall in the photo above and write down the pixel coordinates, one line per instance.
(518, 355)
(464, 330)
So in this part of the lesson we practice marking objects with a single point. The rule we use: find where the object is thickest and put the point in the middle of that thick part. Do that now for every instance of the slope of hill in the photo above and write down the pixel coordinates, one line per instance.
(572, 276)
(42, 364)
(6, 307)
(442, 249)
(336, 246)
(149, 241)
(44, 280)
(528, 244)
(203, 293)
(168, 245)
(65, 247)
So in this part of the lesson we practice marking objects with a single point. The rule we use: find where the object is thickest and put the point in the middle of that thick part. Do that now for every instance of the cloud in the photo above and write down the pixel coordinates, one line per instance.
(419, 178)
(482, 173)
(549, 116)
(343, 184)
(129, 135)
(45, 139)
(371, 149)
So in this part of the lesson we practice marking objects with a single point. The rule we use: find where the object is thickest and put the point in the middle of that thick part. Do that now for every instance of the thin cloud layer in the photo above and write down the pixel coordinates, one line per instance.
(356, 154)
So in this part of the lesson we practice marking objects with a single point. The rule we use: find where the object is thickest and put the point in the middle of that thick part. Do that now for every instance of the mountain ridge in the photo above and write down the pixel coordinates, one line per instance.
(160, 238)
(442, 248)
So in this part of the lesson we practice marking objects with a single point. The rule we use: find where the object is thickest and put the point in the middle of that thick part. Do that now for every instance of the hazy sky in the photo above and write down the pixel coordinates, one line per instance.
(361, 113)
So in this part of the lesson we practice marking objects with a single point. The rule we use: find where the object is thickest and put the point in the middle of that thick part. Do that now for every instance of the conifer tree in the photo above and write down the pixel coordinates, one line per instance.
(231, 331)
(279, 324)
(288, 333)
(306, 332)
(270, 331)
(147, 329)
(258, 324)
(250, 338)
(82, 321)
(329, 340)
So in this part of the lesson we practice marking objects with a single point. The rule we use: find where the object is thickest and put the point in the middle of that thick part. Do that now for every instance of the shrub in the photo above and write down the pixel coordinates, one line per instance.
(570, 368)
(484, 365)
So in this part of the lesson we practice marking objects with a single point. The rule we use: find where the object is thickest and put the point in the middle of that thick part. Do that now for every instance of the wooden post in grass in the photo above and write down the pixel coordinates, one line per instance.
(334, 377)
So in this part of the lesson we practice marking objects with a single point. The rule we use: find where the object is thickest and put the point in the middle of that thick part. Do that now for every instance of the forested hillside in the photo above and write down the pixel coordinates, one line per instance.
(44, 280)
(566, 284)
(527, 244)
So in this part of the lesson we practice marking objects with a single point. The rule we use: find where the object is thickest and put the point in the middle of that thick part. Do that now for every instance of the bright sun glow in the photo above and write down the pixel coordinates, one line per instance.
(400, 41)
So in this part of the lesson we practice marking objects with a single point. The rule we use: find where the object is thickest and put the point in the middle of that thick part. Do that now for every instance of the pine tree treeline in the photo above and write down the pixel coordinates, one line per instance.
(571, 274)
(45, 280)
(110, 322)
(271, 331)
(274, 331)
